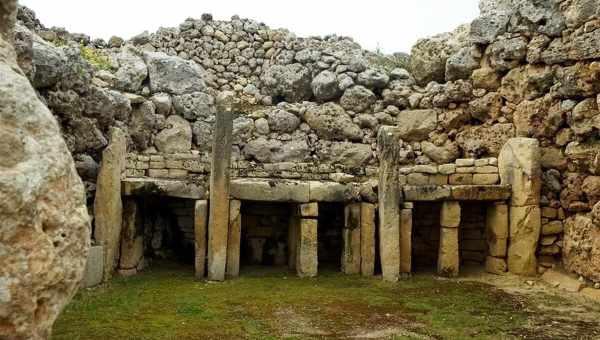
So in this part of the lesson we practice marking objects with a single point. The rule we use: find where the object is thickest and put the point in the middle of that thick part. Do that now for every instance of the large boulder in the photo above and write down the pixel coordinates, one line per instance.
(107, 106)
(195, 105)
(291, 83)
(415, 125)
(581, 250)
(429, 56)
(330, 121)
(173, 75)
(353, 155)
(325, 86)
(49, 62)
(358, 99)
(481, 141)
(282, 121)
(45, 232)
(176, 138)
(275, 151)
(131, 73)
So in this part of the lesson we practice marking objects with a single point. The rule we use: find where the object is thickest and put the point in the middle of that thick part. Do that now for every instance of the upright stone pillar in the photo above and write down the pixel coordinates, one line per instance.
(293, 240)
(200, 233)
(390, 198)
(520, 167)
(108, 206)
(234, 239)
(497, 237)
(218, 219)
(132, 238)
(406, 224)
(448, 255)
(306, 254)
(351, 233)
(367, 239)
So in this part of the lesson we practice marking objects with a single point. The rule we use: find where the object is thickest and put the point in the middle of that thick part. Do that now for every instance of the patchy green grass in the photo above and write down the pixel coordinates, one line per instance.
(166, 302)
(95, 58)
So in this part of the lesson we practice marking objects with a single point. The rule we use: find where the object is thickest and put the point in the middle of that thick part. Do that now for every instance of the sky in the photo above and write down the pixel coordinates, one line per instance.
(390, 25)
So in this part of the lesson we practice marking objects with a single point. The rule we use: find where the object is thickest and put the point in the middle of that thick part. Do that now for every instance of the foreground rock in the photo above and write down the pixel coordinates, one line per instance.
(45, 226)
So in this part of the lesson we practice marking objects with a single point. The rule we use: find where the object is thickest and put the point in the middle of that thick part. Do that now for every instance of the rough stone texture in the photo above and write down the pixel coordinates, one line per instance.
(45, 224)
(234, 239)
(307, 246)
(173, 74)
(406, 226)
(416, 125)
(390, 198)
(448, 255)
(351, 252)
(200, 235)
(523, 238)
(176, 138)
(582, 246)
(331, 122)
(108, 207)
(132, 240)
(291, 82)
(495, 265)
(497, 229)
(94, 267)
(519, 165)
(367, 239)
(450, 214)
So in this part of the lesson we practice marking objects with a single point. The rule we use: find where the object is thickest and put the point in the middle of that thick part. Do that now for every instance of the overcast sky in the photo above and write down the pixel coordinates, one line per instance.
(392, 25)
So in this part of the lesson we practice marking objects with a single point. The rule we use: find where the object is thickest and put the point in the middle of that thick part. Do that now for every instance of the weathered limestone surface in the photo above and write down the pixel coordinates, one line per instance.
(495, 265)
(200, 235)
(94, 267)
(352, 236)
(45, 233)
(307, 248)
(525, 226)
(448, 255)
(519, 165)
(268, 190)
(218, 218)
(164, 187)
(406, 225)
(450, 214)
(390, 198)
(132, 238)
(367, 239)
(234, 238)
(581, 252)
(497, 229)
(108, 206)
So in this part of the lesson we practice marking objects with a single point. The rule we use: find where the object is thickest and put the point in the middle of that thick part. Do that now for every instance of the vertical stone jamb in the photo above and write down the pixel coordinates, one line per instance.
(132, 239)
(367, 239)
(448, 255)
(234, 239)
(390, 198)
(218, 219)
(307, 260)
(108, 206)
(406, 224)
(200, 234)
(351, 233)
(497, 237)
(520, 167)
(293, 240)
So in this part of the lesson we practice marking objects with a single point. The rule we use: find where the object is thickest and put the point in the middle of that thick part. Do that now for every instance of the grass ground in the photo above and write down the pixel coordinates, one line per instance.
(166, 302)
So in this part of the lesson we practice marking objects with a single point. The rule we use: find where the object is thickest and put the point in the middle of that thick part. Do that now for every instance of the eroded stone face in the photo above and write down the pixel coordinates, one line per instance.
(45, 225)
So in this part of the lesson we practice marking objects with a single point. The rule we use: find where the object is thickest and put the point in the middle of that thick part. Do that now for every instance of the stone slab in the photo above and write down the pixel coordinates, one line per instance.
(450, 214)
(406, 225)
(254, 189)
(200, 236)
(448, 255)
(94, 267)
(234, 239)
(163, 187)
(307, 247)
(367, 239)
(351, 235)
(426, 193)
(480, 192)
(332, 192)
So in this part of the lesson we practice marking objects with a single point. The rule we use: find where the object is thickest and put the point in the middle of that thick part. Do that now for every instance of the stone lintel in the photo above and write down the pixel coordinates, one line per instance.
(426, 193)
(480, 192)
(266, 190)
(162, 187)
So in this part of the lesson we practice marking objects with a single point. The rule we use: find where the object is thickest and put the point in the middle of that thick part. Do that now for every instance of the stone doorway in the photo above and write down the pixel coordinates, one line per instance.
(156, 228)
(265, 234)
(425, 236)
(330, 235)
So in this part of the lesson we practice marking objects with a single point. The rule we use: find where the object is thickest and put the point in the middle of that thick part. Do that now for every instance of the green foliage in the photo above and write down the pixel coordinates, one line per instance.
(95, 58)
(388, 62)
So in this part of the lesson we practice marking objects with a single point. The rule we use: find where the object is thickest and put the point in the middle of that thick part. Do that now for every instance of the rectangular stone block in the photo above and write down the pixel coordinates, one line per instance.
(158, 173)
(463, 162)
(200, 237)
(465, 170)
(425, 169)
(406, 225)
(480, 192)
(306, 254)
(178, 173)
(438, 179)
(497, 229)
(448, 256)
(450, 214)
(351, 234)
(308, 210)
(234, 239)
(157, 165)
(417, 179)
(142, 165)
(270, 190)
(486, 179)
(426, 193)
(367, 239)
(487, 169)
(447, 169)
(460, 179)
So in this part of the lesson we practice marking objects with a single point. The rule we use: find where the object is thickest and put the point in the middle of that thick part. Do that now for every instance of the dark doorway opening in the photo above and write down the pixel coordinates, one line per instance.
(425, 236)
(329, 235)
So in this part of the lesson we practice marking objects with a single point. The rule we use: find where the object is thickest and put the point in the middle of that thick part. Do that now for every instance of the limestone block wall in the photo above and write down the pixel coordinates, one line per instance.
(482, 171)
